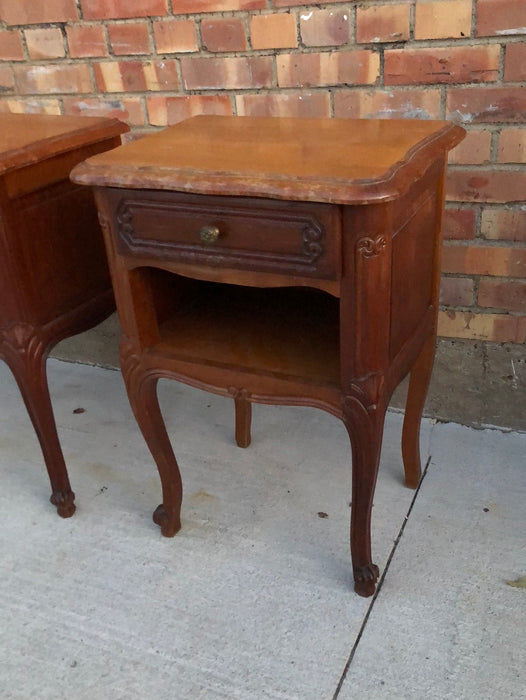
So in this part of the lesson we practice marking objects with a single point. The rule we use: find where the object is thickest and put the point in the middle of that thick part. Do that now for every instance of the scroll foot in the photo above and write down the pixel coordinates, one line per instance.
(64, 502)
(365, 578)
(168, 520)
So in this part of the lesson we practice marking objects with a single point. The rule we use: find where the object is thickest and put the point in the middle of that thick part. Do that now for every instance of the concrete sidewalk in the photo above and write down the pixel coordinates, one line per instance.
(253, 598)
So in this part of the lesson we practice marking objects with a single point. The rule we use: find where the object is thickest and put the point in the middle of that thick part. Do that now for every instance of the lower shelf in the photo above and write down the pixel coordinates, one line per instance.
(288, 333)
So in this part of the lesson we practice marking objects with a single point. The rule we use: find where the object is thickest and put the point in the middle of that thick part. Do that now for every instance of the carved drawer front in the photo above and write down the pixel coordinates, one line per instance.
(241, 233)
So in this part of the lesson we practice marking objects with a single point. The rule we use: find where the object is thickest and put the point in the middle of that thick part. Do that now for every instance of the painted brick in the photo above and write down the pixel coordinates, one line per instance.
(462, 64)
(163, 111)
(129, 109)
(33, 12)
(123, 9)
(442, 19)
(7, 81)
(226, 73)
(130, 38)
(11, 48)
(495, 261)
(501, 17)
(459, 224)
(486, 104)
(503, 294)
(31, 106)
(325, 27)
(382, 23)
(53, 78)
(486, 186)
(456, 291)
(276, 31)
(512, 146)
(136, 76)
(474, 149)
(499, 328)
(515, 62)
(314, 104)
(175, 36)
(392, 104)
(224, 34)
(335, 68)
(185, 7)
(86, 41)
(45, 43)
(504, 224)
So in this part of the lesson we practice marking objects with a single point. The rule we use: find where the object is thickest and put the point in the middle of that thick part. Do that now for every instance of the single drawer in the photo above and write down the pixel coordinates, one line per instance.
(302, 239)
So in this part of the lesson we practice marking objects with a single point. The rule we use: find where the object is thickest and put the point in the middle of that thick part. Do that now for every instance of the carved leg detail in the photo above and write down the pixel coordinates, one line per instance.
(416, 397)
(365, 428)
(26, 352)
(243, 417)
(141, 385)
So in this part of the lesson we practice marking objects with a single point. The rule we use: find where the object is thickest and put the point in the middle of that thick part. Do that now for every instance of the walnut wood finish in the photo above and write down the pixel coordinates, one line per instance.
(54, 280)
(279, 261)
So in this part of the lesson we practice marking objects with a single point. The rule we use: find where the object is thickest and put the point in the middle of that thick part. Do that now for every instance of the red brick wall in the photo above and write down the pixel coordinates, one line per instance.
(155, 62)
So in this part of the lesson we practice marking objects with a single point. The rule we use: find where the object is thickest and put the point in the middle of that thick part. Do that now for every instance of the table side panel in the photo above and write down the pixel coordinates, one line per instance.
(57, 251)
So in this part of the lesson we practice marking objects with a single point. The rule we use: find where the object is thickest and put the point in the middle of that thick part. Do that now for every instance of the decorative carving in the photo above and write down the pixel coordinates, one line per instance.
(367, 390)
(365, 578)
(21, 343)
(125, 221)
(370, 247)
(313, 242)
(104, 222)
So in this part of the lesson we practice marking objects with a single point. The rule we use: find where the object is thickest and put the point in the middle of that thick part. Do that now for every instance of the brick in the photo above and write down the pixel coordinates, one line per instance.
(456, 291)
(382, 23)
(499, 328)
(224, 34)
(474, 149)
(504, 224)
(7, 81)
(175, 36)
(325, 27)
(348, 67)
(495, 261)
(130, 38)
(45, 43)
(86, 41)
(53, 78)
(186, 7)
(442, 19)
(486, 186)
(123, 9)
(227, 73)
(486, 104)
(276, 31)
(462, 64)
(163, 111)
(294, 3)
(509, 295)
(33, 12)
(31, 106)
(136, 76)
(11, 48)
(388, 104)
(501, 17)
(515, 62)
(512, 146)
(459, 224)
(128, 109)
(304, 104)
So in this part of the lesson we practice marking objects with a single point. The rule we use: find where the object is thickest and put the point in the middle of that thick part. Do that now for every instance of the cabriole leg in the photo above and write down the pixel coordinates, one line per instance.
(416, 396)
(141, 385)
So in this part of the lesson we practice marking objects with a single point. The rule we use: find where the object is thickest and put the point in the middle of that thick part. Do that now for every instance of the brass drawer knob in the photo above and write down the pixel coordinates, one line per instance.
(209, 234)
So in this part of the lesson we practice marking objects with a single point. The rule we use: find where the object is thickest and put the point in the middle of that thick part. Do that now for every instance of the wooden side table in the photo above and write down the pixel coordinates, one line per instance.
(283, 261)
(54, 280)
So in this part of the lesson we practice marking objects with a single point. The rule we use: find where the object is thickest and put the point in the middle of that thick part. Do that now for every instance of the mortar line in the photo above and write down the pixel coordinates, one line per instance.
(380, 582)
